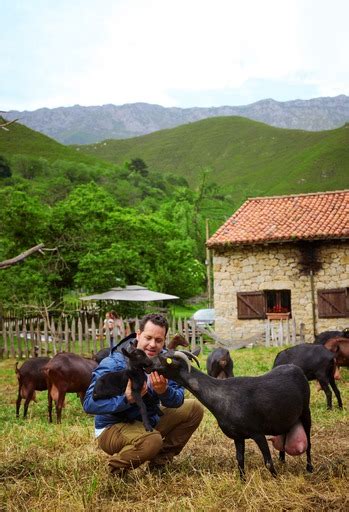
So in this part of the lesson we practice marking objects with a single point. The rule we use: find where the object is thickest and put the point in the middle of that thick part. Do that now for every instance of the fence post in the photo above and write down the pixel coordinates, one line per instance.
(47, 344)
(60, 336)
(101, 334)
(87, 336)
(281, 333)
(19, 342)
(73, 334)
(38, 344)
(53, 336)
(93, 332)
(294, 333)
(122, 328)
(66, 334)
(4, 335)
(301, 332)
(25, 337)
(193, 335)
(288, 331)
(267, 333)
(10, 334)
(80, 335)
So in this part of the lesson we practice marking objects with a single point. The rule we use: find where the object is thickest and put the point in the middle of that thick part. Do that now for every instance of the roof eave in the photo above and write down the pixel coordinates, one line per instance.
(227, 245)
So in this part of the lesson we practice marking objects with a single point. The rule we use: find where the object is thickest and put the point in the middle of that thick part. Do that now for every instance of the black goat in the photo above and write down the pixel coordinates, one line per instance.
(327, 335)
(114, 383)
(276, 403)
(317, 363)
(219, 364)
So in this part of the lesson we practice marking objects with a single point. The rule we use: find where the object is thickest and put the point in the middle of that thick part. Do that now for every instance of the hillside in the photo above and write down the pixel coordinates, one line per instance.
(20, 140)
(247, 158)
(84, 125)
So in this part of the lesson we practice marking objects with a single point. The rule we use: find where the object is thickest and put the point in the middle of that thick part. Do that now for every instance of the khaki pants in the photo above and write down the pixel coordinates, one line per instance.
(129, 444)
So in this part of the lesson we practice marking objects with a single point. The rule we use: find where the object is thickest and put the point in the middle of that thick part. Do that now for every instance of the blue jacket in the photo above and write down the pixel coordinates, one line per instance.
(117, 409)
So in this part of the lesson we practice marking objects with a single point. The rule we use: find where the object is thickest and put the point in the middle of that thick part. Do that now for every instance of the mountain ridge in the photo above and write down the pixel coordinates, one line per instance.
(89, 124)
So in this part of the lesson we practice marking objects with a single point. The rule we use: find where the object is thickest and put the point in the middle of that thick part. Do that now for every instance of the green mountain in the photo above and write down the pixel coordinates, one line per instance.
(20, 140)
(246, 157)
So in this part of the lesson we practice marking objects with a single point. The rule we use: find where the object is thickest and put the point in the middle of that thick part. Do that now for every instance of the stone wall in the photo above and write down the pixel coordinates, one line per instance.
(275, 267)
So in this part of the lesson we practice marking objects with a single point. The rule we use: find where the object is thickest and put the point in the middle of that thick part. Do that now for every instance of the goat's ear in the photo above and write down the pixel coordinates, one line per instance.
(125, 352)
(197, 351)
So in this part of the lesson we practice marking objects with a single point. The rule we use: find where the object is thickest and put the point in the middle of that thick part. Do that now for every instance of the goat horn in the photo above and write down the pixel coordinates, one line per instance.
(191, 356)
(185, 358)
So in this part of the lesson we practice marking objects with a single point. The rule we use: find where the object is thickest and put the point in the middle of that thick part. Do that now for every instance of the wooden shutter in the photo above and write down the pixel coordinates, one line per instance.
(251, 305)
(333, 303)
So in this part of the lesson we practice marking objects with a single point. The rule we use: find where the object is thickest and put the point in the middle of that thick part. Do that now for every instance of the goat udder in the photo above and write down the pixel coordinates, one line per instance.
(296, 441)
(54, 393)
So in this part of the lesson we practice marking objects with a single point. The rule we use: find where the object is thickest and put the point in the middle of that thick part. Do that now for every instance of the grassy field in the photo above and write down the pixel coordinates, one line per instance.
(58, 468)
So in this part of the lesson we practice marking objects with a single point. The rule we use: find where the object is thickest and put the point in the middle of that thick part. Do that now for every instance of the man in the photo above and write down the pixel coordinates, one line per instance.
(118, 423)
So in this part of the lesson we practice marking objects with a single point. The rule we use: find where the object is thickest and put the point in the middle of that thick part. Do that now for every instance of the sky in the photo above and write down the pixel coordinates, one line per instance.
(174, 53)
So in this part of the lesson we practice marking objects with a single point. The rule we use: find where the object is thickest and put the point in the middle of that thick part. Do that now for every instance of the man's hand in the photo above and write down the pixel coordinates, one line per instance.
(159, 383)
(128, 392)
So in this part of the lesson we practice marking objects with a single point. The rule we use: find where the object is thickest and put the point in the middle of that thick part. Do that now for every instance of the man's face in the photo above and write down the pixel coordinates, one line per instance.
(151, 339)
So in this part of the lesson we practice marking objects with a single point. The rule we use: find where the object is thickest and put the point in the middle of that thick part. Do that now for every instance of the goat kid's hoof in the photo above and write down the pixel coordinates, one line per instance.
(271, 469)
(310, 468)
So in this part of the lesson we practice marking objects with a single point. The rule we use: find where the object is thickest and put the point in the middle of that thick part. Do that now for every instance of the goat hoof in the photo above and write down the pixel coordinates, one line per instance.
(310, 468)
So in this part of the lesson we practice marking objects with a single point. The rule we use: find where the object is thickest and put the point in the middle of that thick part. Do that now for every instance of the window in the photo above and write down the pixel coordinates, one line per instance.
(252, 305)
(278, 301)
(333, 303)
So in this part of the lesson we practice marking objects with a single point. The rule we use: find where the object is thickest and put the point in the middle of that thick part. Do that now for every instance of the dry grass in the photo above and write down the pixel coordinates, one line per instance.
(57, 468)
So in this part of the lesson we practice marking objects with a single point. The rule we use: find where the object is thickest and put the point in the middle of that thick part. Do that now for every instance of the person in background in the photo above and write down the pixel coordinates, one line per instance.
(118, 424)
(109, 325)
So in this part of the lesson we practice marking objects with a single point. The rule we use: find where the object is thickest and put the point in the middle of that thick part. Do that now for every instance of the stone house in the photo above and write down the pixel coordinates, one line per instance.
(283, 257)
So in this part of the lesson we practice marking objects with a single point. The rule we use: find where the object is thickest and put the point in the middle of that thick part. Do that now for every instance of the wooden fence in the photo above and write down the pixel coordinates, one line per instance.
(283, 332)
(274, 333)
(30, 337)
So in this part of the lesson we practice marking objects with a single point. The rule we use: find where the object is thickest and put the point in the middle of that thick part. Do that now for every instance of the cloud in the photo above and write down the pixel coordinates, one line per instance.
(171, 52)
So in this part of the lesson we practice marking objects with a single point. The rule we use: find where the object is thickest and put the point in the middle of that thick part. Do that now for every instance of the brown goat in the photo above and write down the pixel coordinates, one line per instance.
(177, 339)
(30, 378)
(67, 373)
(340, 346)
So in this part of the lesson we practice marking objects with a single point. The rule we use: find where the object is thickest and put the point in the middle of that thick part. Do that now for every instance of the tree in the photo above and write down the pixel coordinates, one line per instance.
(138, 165)
(5, 169)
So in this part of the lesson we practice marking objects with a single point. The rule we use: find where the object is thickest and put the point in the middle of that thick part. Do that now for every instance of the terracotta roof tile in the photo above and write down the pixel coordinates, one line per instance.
(313, 216)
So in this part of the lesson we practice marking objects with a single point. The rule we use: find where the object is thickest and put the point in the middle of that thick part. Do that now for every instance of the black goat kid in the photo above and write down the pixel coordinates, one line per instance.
(276, 404)
(114, 383)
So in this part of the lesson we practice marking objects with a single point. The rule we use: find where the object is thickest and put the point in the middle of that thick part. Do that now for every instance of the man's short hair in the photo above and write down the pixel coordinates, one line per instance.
(154, 318)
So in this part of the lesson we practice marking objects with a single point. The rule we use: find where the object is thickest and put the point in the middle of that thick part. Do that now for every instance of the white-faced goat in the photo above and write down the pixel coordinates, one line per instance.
(114, 383)
(317, 363)
(276, 404)
(219, 364)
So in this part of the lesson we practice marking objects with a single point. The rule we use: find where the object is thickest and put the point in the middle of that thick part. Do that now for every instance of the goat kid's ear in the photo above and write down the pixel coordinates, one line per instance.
(125, 352)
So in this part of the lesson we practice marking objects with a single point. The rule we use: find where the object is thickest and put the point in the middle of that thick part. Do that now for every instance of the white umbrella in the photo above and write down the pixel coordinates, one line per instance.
(131, 293)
